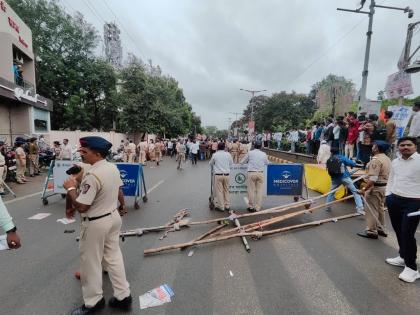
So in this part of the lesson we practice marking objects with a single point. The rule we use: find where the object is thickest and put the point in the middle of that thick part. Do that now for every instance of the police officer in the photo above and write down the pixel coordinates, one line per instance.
(377, 177)
(131, 151)
(142, 152)
(33, 157)
(20, 161)
(100, 191)
(234, 151)
(221, 162)
(257, 160)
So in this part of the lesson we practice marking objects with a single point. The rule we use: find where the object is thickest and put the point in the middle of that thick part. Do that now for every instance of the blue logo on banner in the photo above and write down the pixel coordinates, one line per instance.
(284, 179)
(130, 176)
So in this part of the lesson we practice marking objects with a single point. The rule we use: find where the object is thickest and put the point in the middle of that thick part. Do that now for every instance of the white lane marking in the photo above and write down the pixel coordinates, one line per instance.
(22, 198)
(39, 216)
(155, 186)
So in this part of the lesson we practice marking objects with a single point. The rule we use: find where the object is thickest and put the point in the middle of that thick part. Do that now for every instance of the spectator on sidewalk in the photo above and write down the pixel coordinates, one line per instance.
(402, 198)
(66, 152)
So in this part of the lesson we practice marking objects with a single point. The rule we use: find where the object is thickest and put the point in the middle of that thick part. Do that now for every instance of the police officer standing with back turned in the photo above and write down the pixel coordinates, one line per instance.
(377, 177)
(100, 227)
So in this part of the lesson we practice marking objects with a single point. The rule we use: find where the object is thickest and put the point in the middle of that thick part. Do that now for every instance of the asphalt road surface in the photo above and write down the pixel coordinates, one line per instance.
(319, 270)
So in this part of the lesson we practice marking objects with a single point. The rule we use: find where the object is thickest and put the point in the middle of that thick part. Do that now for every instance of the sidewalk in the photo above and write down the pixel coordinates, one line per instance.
(34, 185)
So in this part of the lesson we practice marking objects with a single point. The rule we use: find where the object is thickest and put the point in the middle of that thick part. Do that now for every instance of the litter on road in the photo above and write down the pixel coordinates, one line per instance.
(156, 297)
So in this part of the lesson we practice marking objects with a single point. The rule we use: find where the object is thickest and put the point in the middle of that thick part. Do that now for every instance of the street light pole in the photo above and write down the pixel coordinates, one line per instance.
(371, 12)
(253, 92)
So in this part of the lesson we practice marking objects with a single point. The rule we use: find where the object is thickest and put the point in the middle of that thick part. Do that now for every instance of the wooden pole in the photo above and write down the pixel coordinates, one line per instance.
(273, 210)
(252, 234)
(202, 236)
(264, 223)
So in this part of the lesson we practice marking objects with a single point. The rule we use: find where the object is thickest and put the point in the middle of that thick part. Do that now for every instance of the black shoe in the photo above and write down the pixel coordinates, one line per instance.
(382, 233)
(32, 175)
(368, 234)
(251, 209)
(219, 209)
(2, 193)
(227, 208)
(83, 310)
(124, 304)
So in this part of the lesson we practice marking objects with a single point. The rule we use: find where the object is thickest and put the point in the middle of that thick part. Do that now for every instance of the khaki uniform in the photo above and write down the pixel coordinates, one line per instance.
(152, 151)
(142, 149)
(20, 165)
(158, 151)
(99, 236)
(255, 189)
(33, 159)
(378, 172)
(243, 150)
(2, 171)
(234, 151)
(131, 152)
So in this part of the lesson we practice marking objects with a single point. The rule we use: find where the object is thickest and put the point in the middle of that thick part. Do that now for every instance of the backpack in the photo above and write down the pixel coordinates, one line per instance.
(335, 167)
(379, 134)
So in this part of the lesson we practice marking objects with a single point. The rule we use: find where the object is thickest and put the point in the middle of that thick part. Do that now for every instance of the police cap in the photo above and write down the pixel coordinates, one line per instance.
(95, 143)
(382, 145)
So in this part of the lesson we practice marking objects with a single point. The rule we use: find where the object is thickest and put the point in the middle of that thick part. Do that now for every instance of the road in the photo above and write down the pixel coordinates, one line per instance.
(320, 270)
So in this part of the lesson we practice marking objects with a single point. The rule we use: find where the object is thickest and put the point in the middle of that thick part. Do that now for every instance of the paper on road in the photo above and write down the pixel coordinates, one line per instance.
(66, 220)
(3, 242)
(156, 297)
(39, 216)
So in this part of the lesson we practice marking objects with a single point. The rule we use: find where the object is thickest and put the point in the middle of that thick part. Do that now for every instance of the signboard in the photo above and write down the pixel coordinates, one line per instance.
(370, 107)
(398, 84)
(238, 179)
(251, 127)
(284, 179)
(59, 174)
(130, 176)
(401, 118)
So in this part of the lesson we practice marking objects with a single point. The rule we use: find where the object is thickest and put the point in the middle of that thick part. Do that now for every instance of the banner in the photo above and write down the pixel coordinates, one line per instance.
(238, 179)
(398, 84)
(284, 179)
(401, 117)
(130, 176)
(59, 175)
(370, 107)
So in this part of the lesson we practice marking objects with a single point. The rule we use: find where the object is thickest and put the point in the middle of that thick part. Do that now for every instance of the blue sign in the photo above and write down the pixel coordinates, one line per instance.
(130, 176)
(284, 179)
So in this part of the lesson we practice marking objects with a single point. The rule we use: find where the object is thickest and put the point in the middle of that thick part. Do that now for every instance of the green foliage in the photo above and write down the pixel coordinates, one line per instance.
(283, 111)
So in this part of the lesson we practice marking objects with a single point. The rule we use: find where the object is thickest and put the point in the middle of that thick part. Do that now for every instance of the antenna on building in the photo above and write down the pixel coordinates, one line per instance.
(112, 43)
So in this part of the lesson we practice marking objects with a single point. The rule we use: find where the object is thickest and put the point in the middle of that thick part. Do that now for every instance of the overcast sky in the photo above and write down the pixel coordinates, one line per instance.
(215, 47)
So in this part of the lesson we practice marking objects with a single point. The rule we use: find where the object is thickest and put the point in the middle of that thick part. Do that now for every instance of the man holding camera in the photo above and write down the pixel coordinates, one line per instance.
(100, 190)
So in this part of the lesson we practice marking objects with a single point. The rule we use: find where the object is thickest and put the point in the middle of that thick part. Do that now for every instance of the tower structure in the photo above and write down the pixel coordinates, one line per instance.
(112, 42)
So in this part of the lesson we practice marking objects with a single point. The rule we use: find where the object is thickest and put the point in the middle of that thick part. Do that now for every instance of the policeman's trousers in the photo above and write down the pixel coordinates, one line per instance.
(375, 213)
(221, 188)
(142, 157)
(255, 189)
(99, 240)
(20, 170)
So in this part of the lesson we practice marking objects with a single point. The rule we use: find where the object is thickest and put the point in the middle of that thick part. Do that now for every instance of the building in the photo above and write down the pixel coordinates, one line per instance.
(22, 111)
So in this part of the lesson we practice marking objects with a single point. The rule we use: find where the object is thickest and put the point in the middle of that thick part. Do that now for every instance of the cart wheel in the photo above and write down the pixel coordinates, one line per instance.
(44, 201)
(296, 198)
(144, 198)
(63, 196)
(136, 206)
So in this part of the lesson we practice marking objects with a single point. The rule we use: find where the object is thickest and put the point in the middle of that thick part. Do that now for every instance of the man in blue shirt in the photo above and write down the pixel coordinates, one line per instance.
(343, 178)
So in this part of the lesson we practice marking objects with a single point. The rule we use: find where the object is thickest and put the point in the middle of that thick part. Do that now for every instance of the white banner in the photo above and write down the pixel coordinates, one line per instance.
(239, 179)
(59, 175)
(401, 117)
(398, 84)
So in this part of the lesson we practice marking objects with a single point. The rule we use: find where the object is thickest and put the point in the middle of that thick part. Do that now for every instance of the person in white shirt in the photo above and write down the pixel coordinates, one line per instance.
(65, 153)
(194, 151)
(221, 161)
(277, 137)
(402, 198)
(415, 124)
(324, 152)
(257, 161)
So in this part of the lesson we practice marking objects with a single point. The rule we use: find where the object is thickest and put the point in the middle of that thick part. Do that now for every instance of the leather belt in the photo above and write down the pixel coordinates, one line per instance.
(222, 174)
(379, 184)
(255, 171)
(96, 218)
